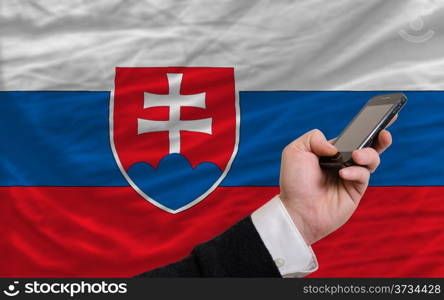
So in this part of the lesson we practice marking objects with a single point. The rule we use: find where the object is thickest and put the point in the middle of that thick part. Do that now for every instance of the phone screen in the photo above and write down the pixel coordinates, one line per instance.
(361, 127)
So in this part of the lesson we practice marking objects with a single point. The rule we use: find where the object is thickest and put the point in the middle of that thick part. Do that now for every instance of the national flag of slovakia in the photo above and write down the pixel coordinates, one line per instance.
(132, 132)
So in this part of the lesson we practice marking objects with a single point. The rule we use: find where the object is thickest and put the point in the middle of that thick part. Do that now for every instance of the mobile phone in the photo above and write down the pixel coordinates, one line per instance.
(364, 128)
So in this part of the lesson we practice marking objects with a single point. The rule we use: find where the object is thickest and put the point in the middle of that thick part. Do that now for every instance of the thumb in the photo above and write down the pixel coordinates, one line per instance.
(314, 141)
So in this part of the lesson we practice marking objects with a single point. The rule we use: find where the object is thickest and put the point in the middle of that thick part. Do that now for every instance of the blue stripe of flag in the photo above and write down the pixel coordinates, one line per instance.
(61, 138)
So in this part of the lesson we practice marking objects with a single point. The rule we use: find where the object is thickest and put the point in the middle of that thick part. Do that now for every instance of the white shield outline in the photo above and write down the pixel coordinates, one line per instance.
(201, 197)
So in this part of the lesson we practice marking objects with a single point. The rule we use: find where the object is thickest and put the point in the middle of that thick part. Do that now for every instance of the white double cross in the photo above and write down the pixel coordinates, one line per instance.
(174, 100)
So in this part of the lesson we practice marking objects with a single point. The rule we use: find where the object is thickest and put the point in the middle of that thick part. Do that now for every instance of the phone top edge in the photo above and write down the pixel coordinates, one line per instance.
(388, 99)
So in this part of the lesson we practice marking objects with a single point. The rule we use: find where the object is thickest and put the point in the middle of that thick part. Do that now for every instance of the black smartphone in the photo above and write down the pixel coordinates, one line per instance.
(364, 128)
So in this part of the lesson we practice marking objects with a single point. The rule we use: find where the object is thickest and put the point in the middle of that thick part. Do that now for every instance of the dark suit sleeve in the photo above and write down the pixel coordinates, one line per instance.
(238, 252)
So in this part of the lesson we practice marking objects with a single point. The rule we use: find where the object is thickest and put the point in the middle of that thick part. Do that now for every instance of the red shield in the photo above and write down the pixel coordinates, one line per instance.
(174, 131)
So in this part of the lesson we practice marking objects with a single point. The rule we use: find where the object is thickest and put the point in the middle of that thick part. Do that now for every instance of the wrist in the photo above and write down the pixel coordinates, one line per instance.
(303, 227)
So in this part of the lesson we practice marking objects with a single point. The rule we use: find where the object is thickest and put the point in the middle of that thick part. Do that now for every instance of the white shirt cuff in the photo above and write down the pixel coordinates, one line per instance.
(292, 256)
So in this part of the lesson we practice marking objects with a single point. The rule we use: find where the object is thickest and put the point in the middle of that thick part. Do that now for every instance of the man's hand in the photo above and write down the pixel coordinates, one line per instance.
(320, 201)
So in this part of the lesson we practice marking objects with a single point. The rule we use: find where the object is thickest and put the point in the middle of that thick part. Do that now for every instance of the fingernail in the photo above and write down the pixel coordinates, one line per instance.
(345, 172)
(331, 146)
